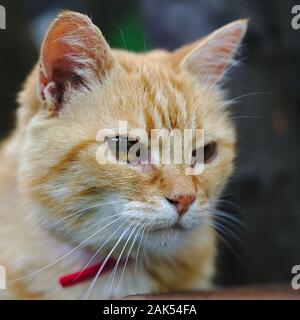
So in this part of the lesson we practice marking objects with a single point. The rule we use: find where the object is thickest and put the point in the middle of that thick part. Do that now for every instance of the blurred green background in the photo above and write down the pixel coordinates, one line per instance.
(267, 180)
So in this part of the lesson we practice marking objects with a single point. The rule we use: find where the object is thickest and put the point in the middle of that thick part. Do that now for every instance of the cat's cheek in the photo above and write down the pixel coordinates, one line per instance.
(143, 168)
(146, 168)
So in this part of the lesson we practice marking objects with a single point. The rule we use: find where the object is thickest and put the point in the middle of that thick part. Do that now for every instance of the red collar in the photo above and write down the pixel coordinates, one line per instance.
(86, 273)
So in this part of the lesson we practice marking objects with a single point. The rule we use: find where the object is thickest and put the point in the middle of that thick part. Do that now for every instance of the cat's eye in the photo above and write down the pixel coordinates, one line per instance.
(124, 148)
(209, 153)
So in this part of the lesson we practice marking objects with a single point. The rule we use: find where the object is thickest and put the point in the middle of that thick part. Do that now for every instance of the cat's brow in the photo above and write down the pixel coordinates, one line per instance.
(165, 102)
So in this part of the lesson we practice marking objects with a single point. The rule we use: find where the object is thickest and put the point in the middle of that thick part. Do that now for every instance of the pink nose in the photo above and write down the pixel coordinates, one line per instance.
(182, 202)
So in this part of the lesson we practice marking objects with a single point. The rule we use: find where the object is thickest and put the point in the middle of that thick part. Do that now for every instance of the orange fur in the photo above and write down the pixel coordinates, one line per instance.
(49, 169)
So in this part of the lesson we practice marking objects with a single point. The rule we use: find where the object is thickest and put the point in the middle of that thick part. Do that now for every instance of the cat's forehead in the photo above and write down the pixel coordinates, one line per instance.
(148, 94)
(151, 94)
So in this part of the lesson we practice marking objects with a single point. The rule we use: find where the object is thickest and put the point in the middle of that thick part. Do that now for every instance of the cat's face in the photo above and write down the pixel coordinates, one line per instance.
(85, 88)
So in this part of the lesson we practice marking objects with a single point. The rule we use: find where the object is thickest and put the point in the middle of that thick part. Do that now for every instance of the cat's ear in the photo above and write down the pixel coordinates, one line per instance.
(73, 53)
(211, 57)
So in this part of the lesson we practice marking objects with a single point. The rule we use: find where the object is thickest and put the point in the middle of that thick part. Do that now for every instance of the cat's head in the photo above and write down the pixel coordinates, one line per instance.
(85, 87)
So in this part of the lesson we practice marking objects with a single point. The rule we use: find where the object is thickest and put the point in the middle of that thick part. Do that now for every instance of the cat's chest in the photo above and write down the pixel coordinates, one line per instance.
(39, 277)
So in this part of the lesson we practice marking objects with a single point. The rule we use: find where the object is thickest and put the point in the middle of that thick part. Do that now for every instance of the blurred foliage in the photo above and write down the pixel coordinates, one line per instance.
(120, 22)
(129, 35)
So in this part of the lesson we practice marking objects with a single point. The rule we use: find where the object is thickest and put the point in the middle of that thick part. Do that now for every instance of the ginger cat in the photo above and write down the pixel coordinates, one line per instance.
(62, 211)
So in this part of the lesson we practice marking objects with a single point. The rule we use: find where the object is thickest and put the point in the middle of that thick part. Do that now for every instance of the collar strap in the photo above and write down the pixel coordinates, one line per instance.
(86, 273)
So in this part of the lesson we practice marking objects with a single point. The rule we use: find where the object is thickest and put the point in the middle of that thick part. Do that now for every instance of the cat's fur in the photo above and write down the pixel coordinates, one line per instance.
(48, 167)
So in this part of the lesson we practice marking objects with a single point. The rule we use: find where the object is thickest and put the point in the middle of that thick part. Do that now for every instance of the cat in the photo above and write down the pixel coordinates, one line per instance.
(63, 212)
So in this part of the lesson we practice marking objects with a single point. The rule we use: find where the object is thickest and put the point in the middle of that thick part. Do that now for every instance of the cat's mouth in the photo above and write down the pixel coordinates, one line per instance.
(176, 227)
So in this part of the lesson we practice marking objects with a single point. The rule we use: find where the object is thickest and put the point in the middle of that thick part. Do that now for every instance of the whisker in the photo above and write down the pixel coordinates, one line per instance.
(230, 232)
(231, 203)
(100, 221)
(246, 117)
(139, 247)
(87, 294)
(119, 258)
(247, 95)
(223, 214)
(229, 194)
(122, 35)
(128, 255)
(229, 102)
(144, 252)
(220, 236)
(86, 209)
(98, 250)
(64, 256)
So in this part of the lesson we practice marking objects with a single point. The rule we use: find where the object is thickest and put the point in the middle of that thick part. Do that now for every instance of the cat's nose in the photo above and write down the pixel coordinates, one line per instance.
(182, 202)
